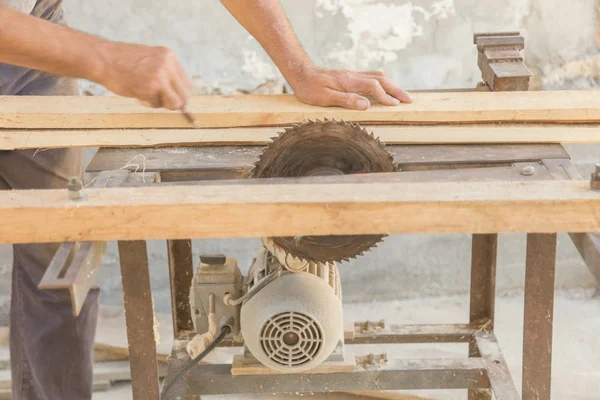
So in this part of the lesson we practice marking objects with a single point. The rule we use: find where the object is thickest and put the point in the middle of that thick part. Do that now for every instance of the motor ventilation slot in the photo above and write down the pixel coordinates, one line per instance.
(291, 339)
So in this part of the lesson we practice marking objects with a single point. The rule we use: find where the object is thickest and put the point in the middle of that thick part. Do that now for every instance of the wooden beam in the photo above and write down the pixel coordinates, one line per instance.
(15, 139)
(224, 211)
(73, 112)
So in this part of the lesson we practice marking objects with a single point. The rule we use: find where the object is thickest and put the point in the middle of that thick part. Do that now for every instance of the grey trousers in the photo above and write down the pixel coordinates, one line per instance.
(51, 350)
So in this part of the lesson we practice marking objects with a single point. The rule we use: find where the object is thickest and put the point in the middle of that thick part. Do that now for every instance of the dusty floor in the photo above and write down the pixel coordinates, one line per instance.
(576, 368)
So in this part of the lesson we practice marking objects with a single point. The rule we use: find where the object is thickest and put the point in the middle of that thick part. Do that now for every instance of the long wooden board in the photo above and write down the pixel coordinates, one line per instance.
(275, 110)
(15, 139)
(306, 209)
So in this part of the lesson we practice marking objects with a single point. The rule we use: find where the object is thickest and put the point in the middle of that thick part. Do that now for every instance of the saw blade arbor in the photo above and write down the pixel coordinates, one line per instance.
(324, 148)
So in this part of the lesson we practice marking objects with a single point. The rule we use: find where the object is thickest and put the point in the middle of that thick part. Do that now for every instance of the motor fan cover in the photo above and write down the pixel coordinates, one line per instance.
(294, 323)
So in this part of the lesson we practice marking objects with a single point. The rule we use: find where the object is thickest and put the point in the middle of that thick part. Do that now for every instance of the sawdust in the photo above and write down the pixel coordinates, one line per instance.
(156, 324)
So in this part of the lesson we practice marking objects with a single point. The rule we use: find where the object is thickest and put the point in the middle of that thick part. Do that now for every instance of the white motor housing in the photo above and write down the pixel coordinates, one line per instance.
(295, 322)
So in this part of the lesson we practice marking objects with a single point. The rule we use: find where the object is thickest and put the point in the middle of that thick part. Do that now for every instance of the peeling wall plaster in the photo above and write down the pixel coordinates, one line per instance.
(419, 43)
(378, 30)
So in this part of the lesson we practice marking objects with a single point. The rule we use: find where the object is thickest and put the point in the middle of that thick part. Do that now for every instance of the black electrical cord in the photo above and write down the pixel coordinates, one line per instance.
(169, 385)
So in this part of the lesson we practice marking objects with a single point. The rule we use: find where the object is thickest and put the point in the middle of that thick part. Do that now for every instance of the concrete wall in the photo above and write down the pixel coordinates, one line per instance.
(420, 44)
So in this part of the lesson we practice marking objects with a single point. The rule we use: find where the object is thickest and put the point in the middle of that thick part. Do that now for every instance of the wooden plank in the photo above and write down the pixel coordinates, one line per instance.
(224, 211)
(240, 159)
(394, 375)
(14, 139)
(72, 112)
(369, 394)
(238, 368)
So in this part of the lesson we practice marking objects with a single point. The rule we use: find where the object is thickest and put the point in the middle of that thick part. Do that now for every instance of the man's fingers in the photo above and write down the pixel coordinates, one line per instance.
(371, 87)
(171, 100)
(389, 86)
(350, 101)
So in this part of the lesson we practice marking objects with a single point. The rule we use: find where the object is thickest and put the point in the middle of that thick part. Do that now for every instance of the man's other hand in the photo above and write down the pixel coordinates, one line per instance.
(152, 75)
(322, 87)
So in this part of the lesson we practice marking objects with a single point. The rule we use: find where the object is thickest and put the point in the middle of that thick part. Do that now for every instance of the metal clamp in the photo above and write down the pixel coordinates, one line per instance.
(500, 61)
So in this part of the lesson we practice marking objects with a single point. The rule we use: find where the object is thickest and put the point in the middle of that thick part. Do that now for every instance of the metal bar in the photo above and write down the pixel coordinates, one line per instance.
(139, 318)
(395, 375)
(498, 373)
(181, 273)
(52, 276)
(538, 317)
(483, 280)
(396, 334)
(73, 270)
(587, 244)
(83, 270)
(484, 254)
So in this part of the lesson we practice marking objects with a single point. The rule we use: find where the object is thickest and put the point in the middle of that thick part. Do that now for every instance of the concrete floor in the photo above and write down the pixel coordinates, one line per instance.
(576, 365)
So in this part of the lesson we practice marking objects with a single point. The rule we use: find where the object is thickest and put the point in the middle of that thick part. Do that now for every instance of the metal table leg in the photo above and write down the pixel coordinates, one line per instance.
(539, 311)
(139, 317)
(483, 295)
(181, 272)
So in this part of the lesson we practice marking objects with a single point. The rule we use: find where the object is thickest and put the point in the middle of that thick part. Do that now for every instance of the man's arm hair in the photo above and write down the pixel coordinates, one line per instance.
(267, 22)
(31, 42)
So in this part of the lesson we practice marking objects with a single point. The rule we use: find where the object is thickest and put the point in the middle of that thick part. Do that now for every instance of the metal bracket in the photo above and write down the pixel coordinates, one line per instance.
(73, 269)
(500, 61)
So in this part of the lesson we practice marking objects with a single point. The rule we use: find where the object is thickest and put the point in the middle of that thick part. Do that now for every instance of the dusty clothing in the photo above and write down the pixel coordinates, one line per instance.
(51, 351)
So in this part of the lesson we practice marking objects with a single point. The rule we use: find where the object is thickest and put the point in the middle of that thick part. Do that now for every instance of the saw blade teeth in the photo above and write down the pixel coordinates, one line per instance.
(301, 252)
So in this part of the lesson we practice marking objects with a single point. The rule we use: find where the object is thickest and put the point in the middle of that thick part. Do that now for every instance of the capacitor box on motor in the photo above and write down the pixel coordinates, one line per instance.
(219, 275)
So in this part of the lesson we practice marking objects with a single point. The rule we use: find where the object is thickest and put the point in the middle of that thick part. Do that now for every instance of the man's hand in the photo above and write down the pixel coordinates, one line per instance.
(322, 87)
(267, 22)
(152, 75)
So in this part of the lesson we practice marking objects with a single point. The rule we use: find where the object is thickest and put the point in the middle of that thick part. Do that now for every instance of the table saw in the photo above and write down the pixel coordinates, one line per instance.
(287, 313)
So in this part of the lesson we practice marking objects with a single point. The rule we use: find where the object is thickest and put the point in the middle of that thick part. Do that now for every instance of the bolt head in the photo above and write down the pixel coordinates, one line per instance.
(75, 184)
(528, 170)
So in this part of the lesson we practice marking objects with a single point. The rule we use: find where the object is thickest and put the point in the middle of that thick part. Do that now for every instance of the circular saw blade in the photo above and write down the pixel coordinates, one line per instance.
(324, 148)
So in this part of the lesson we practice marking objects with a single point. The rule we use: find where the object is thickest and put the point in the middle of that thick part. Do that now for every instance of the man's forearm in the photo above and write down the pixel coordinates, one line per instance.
(31, 42)
(266, 21)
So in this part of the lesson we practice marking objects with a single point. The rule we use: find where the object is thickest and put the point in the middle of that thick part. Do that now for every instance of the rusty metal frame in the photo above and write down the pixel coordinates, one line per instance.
(483, 371)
